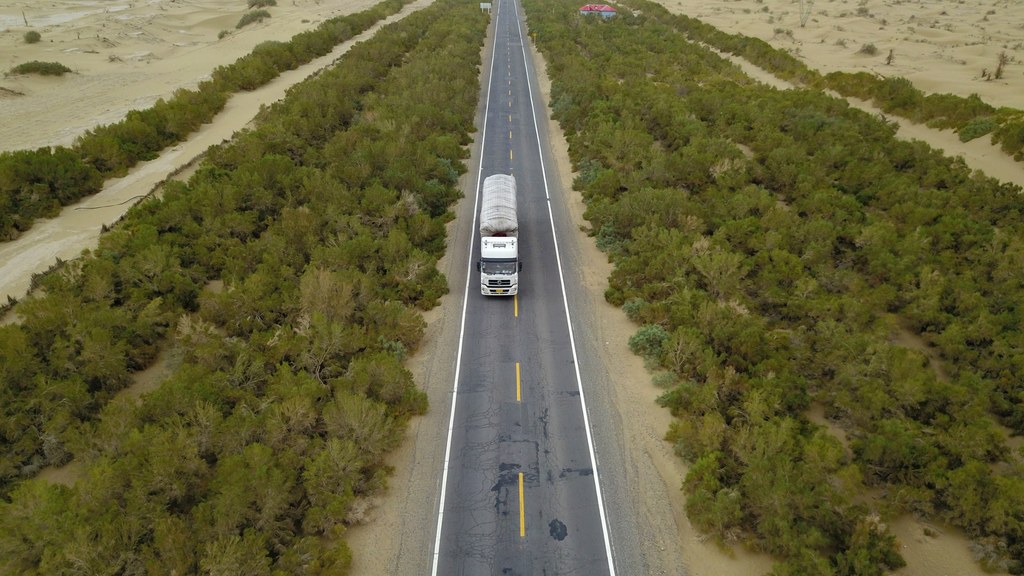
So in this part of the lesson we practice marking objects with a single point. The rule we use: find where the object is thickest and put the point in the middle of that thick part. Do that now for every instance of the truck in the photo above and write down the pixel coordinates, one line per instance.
(499, 263)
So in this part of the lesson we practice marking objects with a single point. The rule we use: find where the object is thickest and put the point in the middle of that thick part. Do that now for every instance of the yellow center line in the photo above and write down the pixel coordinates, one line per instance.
(515, 302)
(519, 387)
(522, 509)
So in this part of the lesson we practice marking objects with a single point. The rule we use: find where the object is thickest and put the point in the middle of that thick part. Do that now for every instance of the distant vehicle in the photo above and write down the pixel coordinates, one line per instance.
(499, 263)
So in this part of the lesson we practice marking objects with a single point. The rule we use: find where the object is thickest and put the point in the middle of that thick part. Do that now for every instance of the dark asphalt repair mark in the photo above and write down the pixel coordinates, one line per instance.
(507, 478)
(580, 471)
(558, 530)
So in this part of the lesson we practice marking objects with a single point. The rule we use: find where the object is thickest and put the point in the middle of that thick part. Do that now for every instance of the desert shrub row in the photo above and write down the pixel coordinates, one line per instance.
(968, 116)
(110, 150)
(775, 245)
(283, 282)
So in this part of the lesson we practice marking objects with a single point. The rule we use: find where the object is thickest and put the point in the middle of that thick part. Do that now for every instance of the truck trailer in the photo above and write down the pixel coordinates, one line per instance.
(499, 263)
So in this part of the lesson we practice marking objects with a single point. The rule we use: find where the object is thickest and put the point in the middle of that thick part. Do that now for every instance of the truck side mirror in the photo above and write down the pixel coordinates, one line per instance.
(477, 266)
(520, 266)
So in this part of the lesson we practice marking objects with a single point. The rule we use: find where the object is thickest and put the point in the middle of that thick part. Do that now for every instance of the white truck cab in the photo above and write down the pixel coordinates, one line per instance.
(499, 266)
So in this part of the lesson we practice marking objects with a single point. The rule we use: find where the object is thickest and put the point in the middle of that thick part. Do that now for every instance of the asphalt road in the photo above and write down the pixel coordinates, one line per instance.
(521, 492)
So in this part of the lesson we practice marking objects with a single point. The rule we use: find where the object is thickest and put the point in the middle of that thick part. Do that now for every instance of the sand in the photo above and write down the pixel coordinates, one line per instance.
(125, 55)
(128, 54)
(941, 46)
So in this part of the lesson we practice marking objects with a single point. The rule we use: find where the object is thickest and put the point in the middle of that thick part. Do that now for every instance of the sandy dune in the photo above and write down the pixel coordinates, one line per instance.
(940, 45)
(125, 55)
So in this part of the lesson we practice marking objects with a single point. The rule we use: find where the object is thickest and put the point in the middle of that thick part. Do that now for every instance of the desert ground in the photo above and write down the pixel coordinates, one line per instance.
(125, 55)
(128, 54)
(941, 46)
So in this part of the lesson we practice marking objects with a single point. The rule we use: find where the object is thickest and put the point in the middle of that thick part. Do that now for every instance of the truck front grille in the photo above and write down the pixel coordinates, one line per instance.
(499, 283)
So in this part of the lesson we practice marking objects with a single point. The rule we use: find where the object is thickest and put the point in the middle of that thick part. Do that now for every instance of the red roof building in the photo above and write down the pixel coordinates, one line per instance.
(602, 9)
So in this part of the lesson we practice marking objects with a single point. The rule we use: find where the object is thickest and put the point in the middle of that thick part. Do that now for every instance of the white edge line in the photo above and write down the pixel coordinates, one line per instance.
(465, 302)
(568, 321)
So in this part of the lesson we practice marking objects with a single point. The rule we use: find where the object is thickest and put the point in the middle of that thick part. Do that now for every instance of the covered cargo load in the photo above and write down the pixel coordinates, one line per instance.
(499, 263)
(498, 207)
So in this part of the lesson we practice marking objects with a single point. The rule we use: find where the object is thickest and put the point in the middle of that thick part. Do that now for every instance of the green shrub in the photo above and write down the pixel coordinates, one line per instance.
(977, 128)
(31, 37)
(1010, 136)
(858, 84)
(254, 16)
(247, 73)
(949, 111)
(42, 68)
(262, 3)
(898, 95)
(279, 54)
(634, 308)
(648, 341)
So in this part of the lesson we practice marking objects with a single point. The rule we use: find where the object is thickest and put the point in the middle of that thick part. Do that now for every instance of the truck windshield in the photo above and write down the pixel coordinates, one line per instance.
(498, 267)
